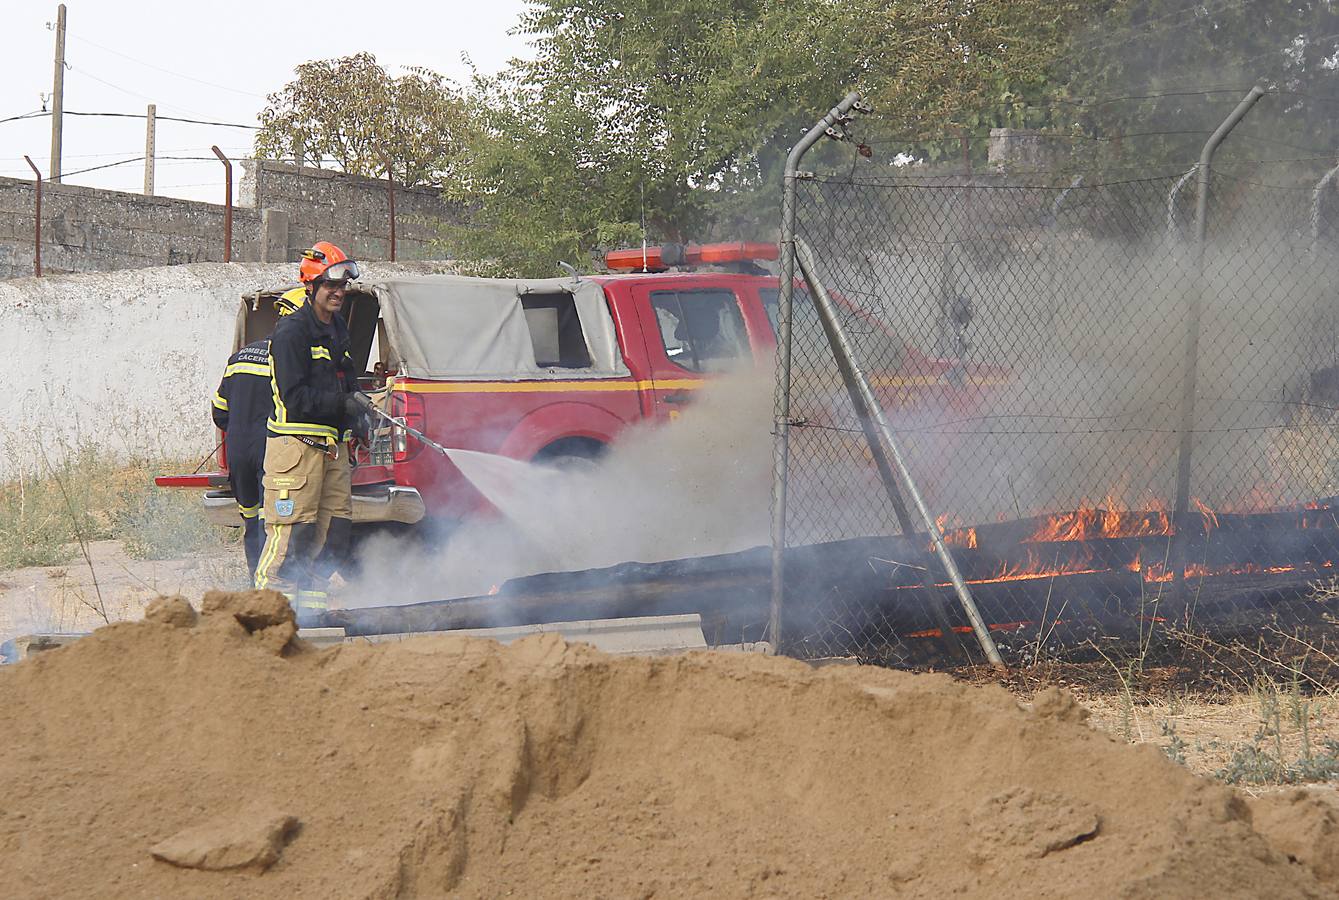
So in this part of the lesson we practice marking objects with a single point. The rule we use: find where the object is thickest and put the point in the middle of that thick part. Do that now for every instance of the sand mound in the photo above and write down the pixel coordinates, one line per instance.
(451, 765)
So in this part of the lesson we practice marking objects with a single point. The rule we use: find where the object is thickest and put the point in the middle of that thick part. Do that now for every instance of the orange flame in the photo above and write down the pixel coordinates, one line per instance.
(1210, 517)
(957, 536)
(1111, 520)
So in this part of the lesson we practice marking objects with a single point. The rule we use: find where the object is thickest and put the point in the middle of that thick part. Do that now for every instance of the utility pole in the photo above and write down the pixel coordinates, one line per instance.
(150, 123)
(58, 95)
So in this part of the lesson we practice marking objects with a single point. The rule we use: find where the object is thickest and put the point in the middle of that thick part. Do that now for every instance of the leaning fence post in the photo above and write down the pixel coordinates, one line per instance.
(227, 204)
(1190, 376)
(873, 409)
(1060, 200)
(37, 229)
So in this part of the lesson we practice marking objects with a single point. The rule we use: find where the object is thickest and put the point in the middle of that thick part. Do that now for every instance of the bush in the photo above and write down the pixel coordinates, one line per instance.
(165, 523)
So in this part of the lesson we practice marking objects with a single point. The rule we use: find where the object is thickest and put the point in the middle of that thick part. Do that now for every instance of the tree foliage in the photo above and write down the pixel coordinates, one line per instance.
(680, 112)
(1185, 64)
(350, 110)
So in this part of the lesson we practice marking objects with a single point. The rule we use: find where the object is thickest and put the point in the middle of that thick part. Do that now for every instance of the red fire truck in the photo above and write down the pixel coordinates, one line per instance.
(552, 370)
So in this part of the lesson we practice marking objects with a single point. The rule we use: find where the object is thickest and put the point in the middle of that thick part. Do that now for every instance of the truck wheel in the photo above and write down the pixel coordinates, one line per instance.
(571, 455)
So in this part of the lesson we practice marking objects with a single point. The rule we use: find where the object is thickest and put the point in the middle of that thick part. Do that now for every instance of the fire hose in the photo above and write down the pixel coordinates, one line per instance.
(370, 405)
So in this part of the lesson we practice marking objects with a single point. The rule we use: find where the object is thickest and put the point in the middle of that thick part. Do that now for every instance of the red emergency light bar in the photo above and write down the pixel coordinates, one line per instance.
(658, 259)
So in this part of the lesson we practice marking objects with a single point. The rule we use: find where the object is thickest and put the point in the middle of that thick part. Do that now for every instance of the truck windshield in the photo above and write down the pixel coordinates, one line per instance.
(878, 347)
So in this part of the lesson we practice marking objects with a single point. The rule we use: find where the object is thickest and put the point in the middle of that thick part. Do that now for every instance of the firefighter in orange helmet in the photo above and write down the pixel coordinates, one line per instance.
(308, 505)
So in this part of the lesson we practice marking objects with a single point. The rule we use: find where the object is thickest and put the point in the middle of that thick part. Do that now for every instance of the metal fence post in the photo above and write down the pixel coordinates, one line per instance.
(37, 230)
(390, 197)
(1189, 384)
(227, 204)
(785, 301)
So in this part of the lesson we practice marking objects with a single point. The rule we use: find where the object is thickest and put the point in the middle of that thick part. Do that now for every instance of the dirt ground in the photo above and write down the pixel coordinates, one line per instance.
(212, 755)
(1207, 736)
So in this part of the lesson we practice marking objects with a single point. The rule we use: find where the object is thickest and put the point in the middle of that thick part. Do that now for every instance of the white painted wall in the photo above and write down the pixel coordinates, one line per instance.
(126, 361)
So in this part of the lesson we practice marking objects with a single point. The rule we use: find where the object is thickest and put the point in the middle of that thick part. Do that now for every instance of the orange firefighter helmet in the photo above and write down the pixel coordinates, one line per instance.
(325, 261)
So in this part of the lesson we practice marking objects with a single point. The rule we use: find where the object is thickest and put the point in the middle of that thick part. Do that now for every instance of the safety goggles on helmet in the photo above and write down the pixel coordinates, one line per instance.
(342, 272)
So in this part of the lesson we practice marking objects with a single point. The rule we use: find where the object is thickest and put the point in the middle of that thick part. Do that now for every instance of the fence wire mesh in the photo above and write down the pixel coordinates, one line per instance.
(1029, 345)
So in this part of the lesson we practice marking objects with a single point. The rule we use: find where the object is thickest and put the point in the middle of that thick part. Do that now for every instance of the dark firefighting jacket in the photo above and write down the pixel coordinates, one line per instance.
(310, 373)
(243, 403)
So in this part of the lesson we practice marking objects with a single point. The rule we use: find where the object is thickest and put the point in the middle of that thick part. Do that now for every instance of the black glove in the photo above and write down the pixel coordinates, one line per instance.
(355, 406)
(357, 412)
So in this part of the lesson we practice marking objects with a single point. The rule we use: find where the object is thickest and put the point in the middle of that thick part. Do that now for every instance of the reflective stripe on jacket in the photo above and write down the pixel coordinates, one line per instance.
(310, 372)
(243, 404)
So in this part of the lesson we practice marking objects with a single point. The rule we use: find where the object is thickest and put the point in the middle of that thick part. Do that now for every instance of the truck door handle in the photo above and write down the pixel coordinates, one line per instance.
(678, 397)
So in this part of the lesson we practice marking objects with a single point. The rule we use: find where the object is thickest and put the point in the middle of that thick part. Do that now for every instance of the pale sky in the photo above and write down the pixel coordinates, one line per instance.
(213, 61)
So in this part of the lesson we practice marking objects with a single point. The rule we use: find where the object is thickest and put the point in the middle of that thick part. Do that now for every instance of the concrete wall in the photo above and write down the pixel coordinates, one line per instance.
(126, 362)
(278, 211)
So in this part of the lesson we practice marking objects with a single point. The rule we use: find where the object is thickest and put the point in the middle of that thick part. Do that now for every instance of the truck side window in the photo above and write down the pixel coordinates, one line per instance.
(877, 344)
(555, 331)
(703, 331)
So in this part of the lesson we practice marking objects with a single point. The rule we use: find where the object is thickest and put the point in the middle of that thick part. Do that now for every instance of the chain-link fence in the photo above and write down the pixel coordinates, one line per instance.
(1035, 345)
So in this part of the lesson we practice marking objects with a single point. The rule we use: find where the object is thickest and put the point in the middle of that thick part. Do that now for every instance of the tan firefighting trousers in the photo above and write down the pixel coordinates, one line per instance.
(307, 489)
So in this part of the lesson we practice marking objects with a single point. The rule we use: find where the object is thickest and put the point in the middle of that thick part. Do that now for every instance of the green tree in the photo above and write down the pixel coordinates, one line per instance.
(349, 110)
(679, 113)
(1183, 65)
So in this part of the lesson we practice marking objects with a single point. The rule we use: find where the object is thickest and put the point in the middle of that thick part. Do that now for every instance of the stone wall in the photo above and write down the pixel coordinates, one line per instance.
(278, 210)
(352, 212)
(90, 230)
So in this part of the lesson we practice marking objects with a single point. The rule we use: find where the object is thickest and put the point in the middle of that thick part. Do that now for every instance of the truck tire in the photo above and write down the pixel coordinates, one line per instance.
(571, 454)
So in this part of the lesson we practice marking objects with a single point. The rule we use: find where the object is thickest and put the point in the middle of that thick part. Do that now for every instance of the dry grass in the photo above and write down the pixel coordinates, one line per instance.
(86, 540)
(1275, 735)
(79, 496)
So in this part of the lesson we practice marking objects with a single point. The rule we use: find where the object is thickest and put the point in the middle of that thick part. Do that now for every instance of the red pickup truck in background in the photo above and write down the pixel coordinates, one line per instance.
(552, 370)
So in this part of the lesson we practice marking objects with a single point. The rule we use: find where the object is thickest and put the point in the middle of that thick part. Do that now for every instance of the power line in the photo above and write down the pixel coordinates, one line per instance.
(117, 87)
(37, 113)
(122, 115)
(222, 87)
(103, 166)
(241, 149)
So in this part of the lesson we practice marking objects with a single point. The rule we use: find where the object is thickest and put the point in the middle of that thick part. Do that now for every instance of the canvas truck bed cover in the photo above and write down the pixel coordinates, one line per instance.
(450, 327)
